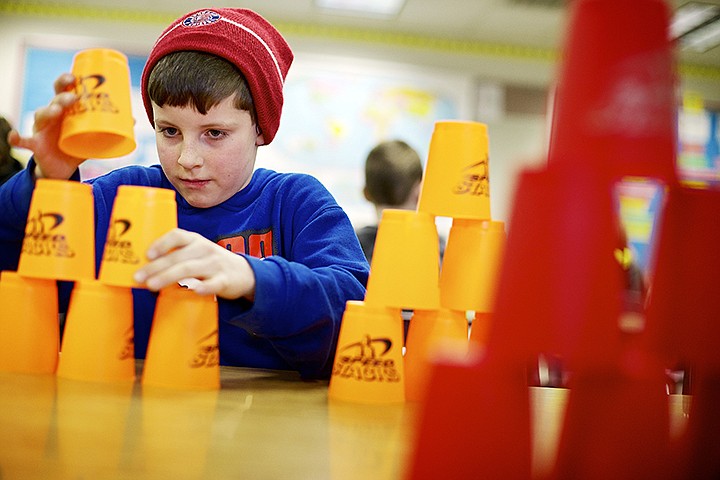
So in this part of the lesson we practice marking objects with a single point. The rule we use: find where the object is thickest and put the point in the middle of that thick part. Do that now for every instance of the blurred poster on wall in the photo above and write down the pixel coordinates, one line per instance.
(698, 156)
(640, 202)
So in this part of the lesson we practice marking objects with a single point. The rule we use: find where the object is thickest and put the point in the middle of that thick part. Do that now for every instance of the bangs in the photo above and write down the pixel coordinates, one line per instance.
(200, 80)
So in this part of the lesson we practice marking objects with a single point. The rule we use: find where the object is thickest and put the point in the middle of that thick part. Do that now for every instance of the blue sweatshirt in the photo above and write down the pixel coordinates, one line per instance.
(299, 242)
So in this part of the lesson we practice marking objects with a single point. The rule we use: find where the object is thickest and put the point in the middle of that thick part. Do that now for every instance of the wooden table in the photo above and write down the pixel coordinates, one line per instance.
(260, 425)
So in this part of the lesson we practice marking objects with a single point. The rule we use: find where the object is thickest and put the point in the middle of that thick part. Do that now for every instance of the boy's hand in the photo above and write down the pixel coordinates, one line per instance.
(51, 161)
(179, 255)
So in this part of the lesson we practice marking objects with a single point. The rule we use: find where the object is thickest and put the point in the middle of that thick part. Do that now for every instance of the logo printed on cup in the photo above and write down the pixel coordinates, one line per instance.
(119, 248)
(40, 239)
(475, 180)
(365, 361)
(208, 355)
(91, 99)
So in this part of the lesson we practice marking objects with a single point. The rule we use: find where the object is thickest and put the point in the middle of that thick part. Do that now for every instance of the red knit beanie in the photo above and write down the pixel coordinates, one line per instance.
(241, 37)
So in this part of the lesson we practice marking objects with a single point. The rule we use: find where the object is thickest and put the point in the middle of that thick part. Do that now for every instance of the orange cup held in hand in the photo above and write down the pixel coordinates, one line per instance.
(100, 124)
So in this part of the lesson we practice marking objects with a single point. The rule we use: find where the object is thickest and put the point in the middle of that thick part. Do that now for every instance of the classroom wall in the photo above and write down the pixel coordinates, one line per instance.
(504, 88)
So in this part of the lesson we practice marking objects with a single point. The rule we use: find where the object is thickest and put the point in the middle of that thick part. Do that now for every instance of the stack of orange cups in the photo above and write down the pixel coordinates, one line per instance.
(404, 274)
(98, 339)
(58, 245)
(457, 185)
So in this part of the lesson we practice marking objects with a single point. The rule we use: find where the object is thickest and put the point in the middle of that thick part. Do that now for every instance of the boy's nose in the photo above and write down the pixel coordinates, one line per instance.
(189, 156)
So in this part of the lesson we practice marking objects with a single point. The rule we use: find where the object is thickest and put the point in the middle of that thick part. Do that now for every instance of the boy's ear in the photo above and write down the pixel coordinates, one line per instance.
(259, 140)
(367, 195)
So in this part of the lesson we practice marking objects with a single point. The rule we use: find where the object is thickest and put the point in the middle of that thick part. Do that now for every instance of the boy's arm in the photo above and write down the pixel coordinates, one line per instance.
(299, 303)
(15, 196)
(50, 161)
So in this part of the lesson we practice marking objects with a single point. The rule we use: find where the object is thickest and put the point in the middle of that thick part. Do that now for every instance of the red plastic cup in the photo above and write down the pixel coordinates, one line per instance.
(615, 103)
(560, 260)
(616, 424)
(684, 297)
(473, 422)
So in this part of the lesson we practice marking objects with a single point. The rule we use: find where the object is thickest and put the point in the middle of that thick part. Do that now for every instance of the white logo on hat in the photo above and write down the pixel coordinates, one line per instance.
(206, 17)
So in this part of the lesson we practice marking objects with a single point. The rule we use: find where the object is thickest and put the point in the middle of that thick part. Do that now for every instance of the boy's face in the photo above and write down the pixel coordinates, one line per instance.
(208, 158)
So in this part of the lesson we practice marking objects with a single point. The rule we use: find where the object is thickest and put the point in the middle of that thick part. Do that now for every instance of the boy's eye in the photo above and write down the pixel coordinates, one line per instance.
(169, 131)
(216, 133)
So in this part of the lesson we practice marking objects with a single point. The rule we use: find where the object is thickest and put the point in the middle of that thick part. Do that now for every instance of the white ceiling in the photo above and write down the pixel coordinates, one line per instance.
(524, 23)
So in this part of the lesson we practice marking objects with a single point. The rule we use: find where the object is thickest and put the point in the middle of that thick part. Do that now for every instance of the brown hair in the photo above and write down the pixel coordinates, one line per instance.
(392, 169)
(175, 81)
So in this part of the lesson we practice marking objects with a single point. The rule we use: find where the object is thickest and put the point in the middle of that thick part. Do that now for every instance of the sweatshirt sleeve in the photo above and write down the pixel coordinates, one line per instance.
(300, 296)
(15, 196)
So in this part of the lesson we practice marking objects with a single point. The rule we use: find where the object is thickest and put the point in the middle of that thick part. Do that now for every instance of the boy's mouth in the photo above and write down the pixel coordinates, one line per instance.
(194, 183)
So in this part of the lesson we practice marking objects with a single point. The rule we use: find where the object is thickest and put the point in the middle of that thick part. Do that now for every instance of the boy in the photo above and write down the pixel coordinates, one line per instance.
(276, 249)
(393, 178)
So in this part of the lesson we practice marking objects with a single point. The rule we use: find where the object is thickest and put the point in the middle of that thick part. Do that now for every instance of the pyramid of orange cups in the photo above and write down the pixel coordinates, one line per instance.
(96, 344)
(406, 275)
(562, 291)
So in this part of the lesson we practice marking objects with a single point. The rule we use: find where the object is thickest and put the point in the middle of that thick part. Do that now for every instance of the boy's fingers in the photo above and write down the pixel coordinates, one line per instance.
(63, 82)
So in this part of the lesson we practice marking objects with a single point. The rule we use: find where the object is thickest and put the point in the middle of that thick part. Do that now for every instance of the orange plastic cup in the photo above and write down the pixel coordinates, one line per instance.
(140, 216)
(471, 264)
(183, 351)
(59, 241)
(29, 328)
(457, 177)
(97, 344)
(100, 124)
(369, 365)
(405, 268)
(431, 331)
